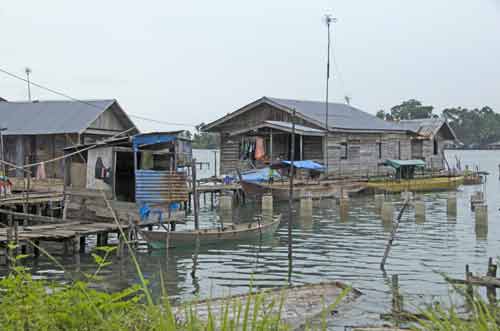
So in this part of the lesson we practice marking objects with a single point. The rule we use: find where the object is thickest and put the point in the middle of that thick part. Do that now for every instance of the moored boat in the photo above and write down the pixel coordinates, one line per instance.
(405, 179)
(418, 184)
(259, 228)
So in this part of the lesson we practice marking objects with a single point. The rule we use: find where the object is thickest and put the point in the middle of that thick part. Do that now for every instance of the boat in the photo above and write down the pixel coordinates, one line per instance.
(257, 229)
(417, 184)
(405, 179)
(296, 305)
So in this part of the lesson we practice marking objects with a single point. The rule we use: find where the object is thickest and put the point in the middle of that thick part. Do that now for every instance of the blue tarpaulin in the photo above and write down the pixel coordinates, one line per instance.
(306, 164)
(151, 139)
(260, 175)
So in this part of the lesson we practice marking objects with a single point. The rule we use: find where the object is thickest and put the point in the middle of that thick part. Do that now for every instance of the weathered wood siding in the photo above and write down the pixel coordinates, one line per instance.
(313, 148)
(25, 149)
(433, 160)
(363, 152)
(229, 153)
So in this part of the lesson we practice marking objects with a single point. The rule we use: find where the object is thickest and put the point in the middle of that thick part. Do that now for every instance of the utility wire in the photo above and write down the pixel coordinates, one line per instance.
(88, 103)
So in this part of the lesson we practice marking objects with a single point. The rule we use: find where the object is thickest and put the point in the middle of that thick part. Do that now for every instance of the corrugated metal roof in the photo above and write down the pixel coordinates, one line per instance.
(426, 127)
(340, 116)
(50, 117)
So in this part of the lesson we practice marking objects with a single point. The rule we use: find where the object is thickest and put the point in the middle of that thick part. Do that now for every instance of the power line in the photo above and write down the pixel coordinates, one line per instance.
(64, 95)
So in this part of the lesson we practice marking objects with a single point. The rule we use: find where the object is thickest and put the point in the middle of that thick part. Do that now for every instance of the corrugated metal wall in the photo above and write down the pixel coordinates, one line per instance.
(160, 186)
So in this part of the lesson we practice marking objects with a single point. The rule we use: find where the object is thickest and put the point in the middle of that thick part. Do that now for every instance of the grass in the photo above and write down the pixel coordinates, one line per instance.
(28, 304)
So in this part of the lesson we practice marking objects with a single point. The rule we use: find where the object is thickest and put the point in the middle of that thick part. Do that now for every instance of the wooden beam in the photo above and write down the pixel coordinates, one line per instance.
(31, 217)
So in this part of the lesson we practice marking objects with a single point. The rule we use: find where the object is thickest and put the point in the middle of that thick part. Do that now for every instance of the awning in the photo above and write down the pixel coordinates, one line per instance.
(404, 163)
(141, 140)
(284, 127)
(306, 164)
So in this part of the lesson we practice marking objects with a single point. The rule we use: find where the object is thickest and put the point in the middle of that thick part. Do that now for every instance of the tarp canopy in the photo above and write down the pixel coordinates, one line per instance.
(151, 139)
(404, 163)
(305, 164)
(260, 175)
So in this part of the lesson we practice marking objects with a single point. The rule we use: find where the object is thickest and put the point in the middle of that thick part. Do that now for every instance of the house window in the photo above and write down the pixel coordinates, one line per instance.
(436, 147)
(379, 148)
(344, 151)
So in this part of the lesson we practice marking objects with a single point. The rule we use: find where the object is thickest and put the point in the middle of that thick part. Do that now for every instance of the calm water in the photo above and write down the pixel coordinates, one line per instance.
(327, 247)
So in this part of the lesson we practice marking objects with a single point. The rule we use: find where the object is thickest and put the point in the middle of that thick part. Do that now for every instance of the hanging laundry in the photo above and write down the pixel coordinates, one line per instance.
(40, 171)
(260, 151)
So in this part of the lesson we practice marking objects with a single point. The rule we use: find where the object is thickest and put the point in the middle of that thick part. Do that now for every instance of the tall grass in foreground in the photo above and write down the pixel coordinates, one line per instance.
(28, 304)
(482, 318)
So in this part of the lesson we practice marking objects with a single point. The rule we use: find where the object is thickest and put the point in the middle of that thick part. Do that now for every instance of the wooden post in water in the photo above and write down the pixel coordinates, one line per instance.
(195, 196)
(491, 291)
(397, 298)
(215, 163)
(36, 250)
(469, 290)
(290, 200)
(82, 244)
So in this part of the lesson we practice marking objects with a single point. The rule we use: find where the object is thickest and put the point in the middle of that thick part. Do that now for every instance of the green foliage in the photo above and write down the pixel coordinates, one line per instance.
(28, 304)
(481, 318)
(408, 110)
(474, 126)
(205, 140)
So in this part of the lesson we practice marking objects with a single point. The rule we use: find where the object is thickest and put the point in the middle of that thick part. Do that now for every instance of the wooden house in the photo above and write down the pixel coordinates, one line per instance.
(40, 130)
(148, 168)
(354, 143)
(434, 135)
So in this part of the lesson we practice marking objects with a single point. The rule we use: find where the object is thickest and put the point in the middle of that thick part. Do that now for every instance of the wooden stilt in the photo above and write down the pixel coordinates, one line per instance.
(36, 250)
(397, 299)
(8, 252)
(469, 290)
(82, 244)
(491, 290)
(76, 245)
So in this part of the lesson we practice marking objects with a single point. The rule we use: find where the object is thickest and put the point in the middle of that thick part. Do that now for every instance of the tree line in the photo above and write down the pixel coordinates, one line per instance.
(473, 127)
(203, 140)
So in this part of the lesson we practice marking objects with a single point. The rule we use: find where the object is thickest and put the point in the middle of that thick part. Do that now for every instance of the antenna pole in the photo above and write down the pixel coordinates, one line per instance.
(329, 19)
(28, 72)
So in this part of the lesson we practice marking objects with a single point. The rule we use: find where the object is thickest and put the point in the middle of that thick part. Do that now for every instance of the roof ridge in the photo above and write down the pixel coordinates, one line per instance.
(43, 101)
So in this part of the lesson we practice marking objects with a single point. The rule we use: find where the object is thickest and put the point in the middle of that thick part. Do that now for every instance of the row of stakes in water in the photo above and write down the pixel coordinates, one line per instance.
(386, 208)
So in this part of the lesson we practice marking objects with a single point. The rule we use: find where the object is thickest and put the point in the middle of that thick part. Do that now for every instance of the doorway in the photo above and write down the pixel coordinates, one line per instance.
(125, 177)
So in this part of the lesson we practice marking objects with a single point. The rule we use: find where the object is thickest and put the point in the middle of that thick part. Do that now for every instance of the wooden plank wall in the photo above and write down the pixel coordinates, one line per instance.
(313, 148)
(363, 152)
(35, 148)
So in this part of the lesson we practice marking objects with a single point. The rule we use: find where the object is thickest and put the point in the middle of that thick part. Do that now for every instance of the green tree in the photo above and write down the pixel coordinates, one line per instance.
(204, 140)
(474, 126)
(411, 109)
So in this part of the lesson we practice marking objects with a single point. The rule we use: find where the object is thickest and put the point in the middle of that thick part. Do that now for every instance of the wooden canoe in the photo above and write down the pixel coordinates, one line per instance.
(418, 184)
(246, 231)
(281, 190)
(299, 304)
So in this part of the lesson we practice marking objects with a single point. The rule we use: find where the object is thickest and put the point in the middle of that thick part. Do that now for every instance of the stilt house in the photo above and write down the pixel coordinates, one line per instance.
(40, 130)
(354, 143)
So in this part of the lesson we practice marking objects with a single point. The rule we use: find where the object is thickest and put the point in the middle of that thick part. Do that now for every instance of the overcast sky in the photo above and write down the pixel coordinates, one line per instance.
(194, 61)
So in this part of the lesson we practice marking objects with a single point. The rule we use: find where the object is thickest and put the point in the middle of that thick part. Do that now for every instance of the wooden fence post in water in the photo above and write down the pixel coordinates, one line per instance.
(290, 196)
(397, 298)
(393, 235)
(195, 195)
(491, 291)
(469, 290)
